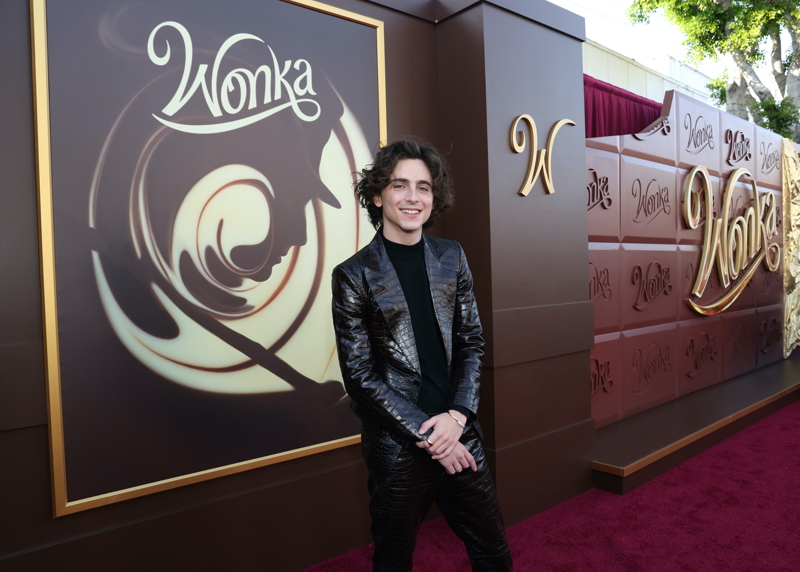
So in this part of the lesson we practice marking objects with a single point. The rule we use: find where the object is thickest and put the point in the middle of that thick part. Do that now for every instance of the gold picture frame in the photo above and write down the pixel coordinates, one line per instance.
(61, 504)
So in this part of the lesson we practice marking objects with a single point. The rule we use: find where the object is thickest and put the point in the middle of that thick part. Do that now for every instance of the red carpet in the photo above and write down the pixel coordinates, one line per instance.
(734, 508)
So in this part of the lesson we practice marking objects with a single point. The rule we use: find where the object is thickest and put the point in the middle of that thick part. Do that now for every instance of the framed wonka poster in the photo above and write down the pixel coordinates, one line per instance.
(195, 162)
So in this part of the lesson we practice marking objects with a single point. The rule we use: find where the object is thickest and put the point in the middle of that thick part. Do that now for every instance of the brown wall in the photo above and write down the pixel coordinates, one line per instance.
(459, 83)
(527, 251)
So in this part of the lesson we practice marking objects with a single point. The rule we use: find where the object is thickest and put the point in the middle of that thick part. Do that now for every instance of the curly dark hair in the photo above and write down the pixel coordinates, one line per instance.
(376, 177)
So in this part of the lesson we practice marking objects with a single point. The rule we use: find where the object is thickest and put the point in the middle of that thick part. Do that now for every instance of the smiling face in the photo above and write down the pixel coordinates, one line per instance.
(406, 202)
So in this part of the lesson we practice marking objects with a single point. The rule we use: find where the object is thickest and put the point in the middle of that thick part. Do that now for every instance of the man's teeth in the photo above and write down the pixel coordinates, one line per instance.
(410, 211)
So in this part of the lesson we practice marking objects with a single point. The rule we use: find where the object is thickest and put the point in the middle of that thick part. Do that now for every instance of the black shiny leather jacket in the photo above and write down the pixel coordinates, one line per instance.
(375, 340)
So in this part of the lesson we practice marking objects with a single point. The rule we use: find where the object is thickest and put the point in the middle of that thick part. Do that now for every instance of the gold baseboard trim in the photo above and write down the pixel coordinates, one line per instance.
(689, 439)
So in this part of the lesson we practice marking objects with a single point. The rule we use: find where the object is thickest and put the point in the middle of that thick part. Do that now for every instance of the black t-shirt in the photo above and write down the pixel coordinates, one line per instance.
(435, 393)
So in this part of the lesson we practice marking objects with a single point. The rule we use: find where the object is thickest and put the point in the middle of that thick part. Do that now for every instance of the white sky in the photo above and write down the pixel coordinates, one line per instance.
(649, 44)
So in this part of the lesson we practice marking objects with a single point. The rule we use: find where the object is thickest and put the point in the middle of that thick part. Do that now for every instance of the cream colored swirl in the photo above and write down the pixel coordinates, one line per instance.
(287, 314)
(224, 210)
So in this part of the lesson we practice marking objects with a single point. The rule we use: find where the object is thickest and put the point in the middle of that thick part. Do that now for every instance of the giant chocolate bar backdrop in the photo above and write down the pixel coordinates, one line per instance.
(686, 295)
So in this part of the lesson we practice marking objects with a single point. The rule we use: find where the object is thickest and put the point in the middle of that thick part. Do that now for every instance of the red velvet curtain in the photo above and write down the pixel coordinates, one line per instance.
(611, 110)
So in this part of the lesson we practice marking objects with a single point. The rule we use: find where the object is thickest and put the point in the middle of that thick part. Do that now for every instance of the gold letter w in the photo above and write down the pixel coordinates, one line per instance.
(540, 160)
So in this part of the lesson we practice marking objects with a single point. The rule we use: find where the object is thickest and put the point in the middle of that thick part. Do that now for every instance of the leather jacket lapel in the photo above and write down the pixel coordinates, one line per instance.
(441, 275)
(388, 295)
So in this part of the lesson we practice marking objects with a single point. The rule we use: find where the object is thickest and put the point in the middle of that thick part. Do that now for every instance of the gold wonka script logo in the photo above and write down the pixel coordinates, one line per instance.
(737, 246)
(540, 161)
(239, 87)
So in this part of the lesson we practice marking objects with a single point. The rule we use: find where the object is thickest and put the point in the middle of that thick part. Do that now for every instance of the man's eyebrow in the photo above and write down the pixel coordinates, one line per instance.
(406, 181)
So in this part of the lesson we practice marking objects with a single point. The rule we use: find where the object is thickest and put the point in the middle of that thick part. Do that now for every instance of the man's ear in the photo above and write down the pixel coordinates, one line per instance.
(377, 201)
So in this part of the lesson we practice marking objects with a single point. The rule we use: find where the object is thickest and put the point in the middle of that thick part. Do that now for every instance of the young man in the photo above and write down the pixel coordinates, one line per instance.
(410, 347)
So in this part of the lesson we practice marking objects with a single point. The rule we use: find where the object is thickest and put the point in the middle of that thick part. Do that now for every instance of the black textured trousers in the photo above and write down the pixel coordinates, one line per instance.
(402, 496)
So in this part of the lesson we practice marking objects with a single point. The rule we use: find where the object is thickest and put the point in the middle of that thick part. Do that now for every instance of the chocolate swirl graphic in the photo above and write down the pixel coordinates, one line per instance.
(212, 252)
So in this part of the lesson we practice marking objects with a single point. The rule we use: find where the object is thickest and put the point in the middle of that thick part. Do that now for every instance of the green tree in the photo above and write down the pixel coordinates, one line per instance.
(718, 90)
(778, 117)
(749, 32)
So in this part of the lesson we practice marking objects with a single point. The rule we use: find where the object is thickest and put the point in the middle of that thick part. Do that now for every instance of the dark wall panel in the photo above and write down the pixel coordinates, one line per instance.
(538, 397)
(461, 117)
(538, 241)
(543, 471)
(22, 387)
(523, 341)
(266, 515)
(411, 79)
(420, 8)
(21, 362)
(547, 14)
(20, 317)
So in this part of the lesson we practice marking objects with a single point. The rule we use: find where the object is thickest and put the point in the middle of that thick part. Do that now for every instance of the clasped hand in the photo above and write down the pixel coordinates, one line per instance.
(443, 443)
